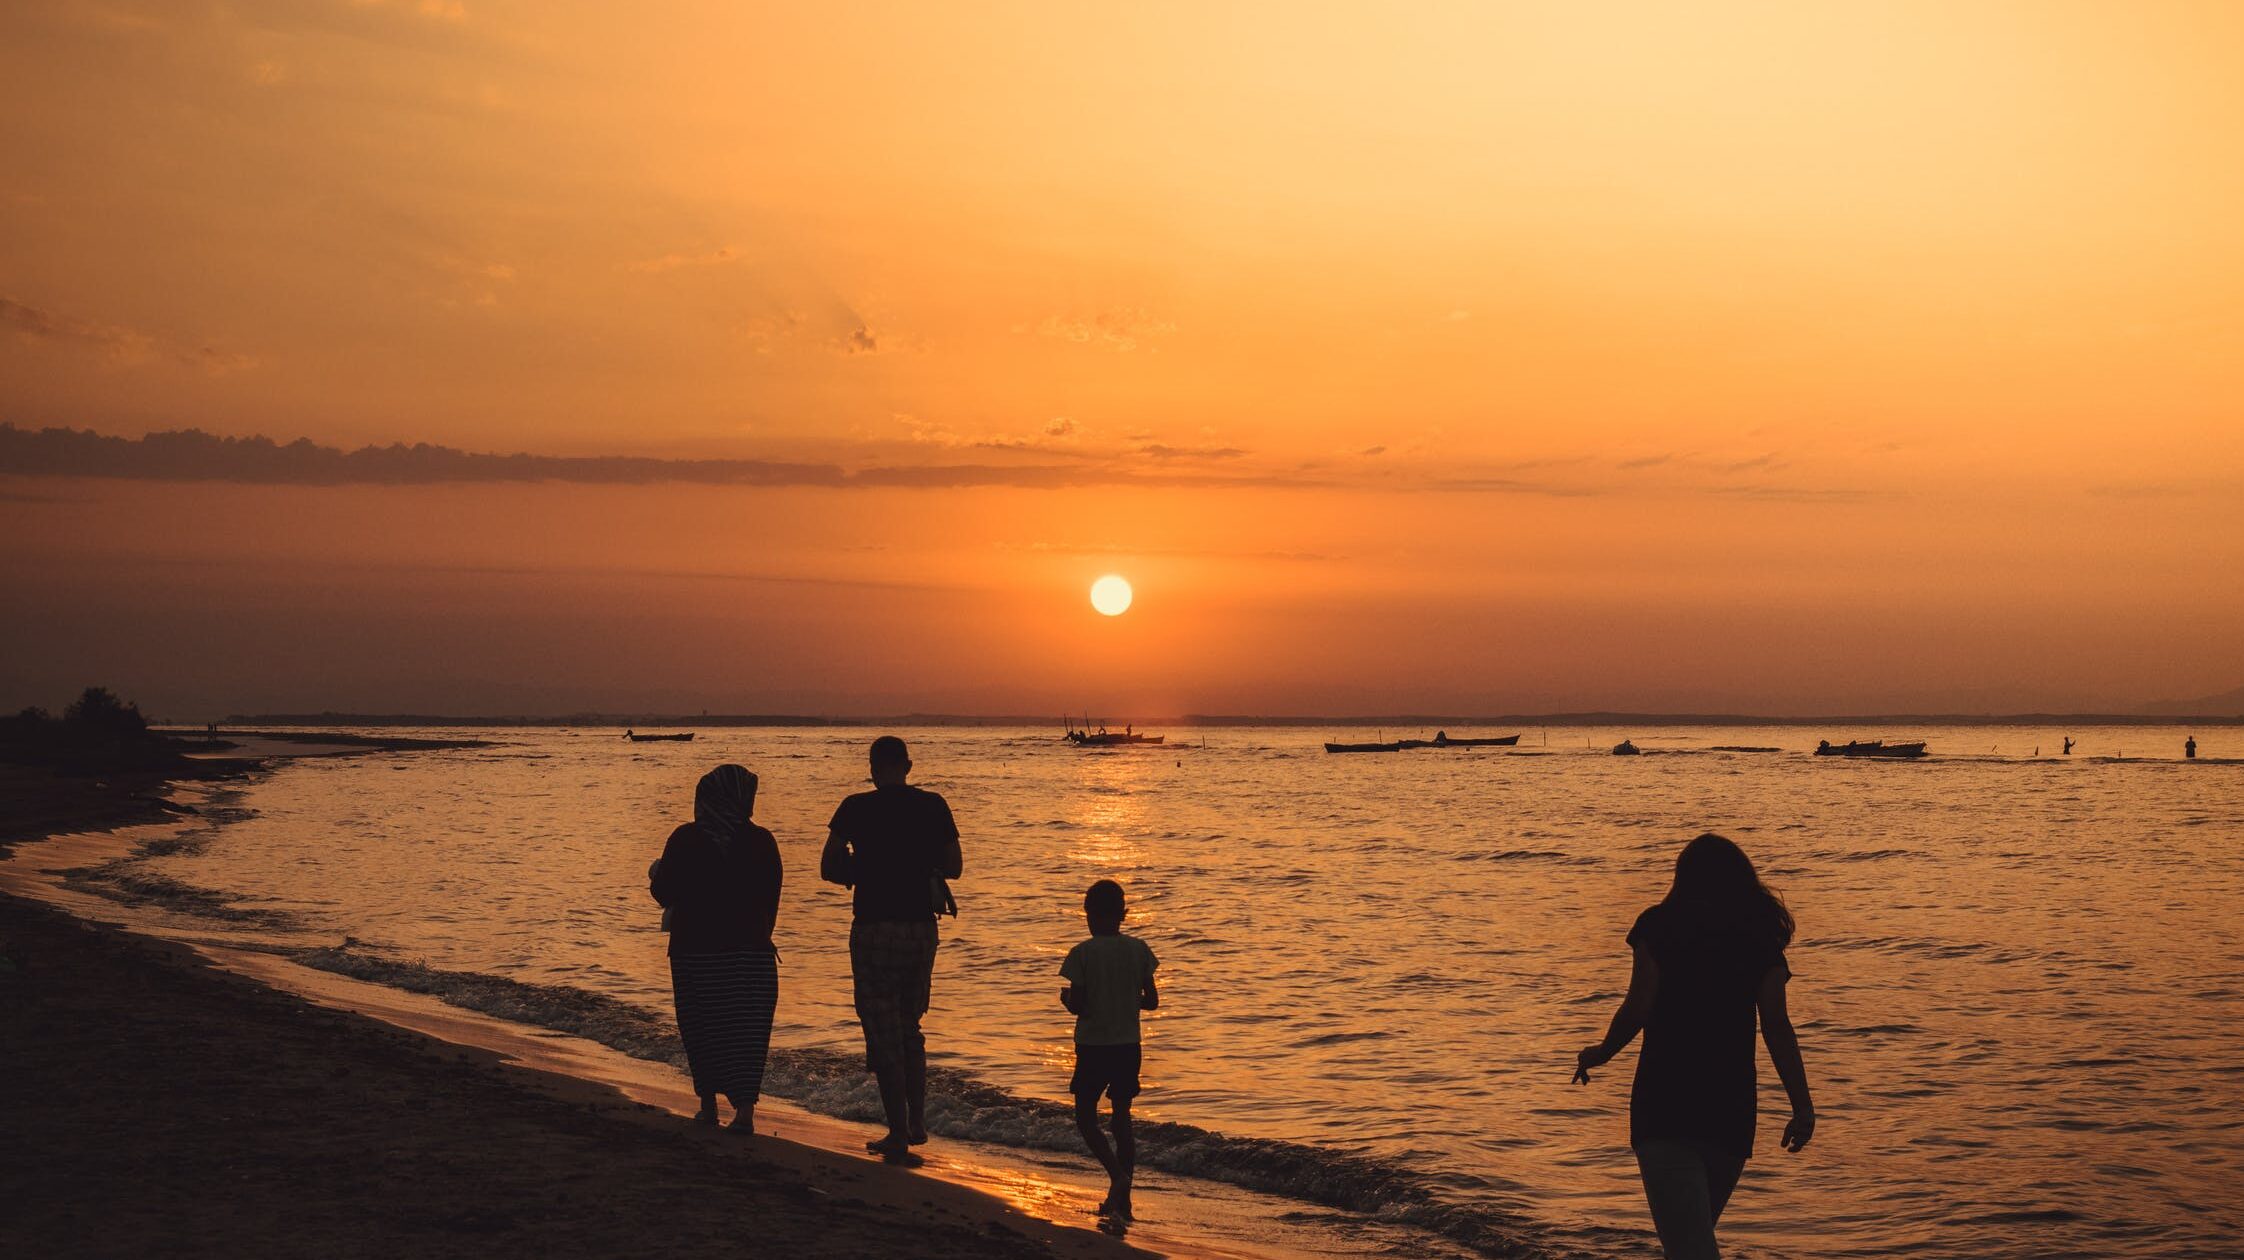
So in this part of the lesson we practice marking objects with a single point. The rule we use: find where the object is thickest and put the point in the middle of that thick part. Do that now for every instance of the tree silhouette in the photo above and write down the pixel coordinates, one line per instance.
(99, 712)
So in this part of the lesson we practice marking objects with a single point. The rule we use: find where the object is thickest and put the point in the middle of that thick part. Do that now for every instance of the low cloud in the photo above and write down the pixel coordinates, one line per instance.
(192, 455)
(116, 341)
(1158, 450)
(1184, 553)
(1511, 485)
(722, 256)
(1797, 494)
(1121, 329)
(1037, 462)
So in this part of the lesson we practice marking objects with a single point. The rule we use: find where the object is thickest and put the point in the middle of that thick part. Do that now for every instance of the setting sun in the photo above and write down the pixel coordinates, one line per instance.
(1111, 595)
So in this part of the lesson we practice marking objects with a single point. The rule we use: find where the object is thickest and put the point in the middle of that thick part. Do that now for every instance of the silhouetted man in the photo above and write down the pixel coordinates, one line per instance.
(2189, 748)
(893, 846)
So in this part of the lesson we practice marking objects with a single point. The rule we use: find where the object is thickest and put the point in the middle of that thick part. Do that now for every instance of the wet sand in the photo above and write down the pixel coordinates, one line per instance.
(157, 1103)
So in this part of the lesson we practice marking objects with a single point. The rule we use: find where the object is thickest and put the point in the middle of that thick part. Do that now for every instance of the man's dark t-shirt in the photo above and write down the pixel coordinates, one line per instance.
(898, 839)
(1695, 1076)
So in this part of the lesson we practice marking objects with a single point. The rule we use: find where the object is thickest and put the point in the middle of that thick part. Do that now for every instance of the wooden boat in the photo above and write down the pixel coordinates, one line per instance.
(1869, 748)
(636, 738)
(1110, 739)
(1084, 737)
(1441, 739)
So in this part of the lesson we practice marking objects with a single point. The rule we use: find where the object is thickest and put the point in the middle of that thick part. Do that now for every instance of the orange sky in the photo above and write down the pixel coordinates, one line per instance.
(1469, 358)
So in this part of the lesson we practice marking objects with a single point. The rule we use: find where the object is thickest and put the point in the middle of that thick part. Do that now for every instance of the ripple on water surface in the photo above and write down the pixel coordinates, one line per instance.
(2012, 975)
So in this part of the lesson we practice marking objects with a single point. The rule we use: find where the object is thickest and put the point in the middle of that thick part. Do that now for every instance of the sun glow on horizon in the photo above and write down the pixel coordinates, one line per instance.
(1111, 595)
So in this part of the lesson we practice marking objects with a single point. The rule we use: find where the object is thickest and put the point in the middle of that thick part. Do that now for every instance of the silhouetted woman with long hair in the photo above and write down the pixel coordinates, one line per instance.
(1709, 957)
(718, 882)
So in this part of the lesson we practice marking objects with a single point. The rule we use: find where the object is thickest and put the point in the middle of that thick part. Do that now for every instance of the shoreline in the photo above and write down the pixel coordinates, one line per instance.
(1043, 1194)
(275, 1123)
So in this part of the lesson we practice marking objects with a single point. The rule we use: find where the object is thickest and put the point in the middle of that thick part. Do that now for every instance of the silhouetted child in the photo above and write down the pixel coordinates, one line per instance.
(1109, 980)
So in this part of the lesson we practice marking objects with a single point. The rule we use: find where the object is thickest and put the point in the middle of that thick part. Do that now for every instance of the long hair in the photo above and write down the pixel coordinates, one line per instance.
(1714, 873)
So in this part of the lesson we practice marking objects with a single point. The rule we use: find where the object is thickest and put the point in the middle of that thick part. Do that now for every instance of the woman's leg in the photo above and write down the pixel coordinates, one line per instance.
(762, 1001)
(687, 1001)
(1722, 1173)
(1676, 1186)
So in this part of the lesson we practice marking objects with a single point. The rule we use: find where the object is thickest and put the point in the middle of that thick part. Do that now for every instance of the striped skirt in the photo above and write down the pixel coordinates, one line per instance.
(725, 1003)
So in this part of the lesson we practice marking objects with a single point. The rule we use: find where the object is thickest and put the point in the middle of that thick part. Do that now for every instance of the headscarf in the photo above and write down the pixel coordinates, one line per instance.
(722, 802)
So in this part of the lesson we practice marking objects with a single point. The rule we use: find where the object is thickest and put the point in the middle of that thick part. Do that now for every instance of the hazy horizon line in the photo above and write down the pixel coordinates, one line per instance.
(1586, 718)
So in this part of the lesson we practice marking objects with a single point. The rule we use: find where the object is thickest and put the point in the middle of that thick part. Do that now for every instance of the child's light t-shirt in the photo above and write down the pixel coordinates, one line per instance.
(1108, 973)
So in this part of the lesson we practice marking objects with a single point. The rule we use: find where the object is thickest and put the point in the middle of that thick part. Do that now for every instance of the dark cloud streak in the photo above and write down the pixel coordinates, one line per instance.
(192, 455)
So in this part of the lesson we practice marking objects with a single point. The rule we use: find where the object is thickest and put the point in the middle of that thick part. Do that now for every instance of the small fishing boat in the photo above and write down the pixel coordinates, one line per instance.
(636, 738)
(1869, 748)
(1441, 739)
(1085, 737)
(1627, 748)
(1111, 739)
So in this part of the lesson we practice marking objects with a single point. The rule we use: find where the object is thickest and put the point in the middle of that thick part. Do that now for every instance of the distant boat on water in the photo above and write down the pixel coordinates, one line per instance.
(1869, 748)
(1085, 737)
(1627, 748)
(636, 738)
(1441, 739)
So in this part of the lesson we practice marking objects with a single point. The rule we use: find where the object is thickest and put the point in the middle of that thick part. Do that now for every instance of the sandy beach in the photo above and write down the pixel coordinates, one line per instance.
(160, 1104)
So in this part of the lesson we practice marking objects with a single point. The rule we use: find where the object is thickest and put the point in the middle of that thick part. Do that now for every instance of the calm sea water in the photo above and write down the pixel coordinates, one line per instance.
(2018, 978)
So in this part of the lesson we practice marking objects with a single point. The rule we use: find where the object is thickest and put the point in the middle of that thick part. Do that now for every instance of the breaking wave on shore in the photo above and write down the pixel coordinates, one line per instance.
(962, 1107)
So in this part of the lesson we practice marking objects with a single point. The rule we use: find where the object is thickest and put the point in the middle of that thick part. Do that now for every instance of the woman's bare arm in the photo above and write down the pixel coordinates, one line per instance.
(1784, 1051)
(1635, 1012)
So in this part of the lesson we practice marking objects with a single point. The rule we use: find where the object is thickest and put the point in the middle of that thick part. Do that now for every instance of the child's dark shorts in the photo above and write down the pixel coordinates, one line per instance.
(1109, 1070)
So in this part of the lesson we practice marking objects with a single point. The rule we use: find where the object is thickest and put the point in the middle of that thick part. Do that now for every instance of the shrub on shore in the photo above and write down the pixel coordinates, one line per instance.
(98, 731)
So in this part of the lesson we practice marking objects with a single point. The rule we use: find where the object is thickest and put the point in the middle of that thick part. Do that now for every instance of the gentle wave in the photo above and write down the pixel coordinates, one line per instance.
(1529, 855)
(963, 1107)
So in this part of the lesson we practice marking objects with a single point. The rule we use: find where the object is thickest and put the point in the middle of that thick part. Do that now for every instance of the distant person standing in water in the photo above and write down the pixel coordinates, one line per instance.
(718, 882)
(2189, 748)
(1708, 957)
(1109, 980)
(894, 846)
(2068, 745)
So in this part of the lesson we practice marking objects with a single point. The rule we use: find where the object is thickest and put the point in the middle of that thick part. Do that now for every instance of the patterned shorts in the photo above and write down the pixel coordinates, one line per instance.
(892, 970)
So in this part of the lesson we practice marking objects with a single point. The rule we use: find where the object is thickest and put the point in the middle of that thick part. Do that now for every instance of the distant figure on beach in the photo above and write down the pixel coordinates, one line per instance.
(894, 847)
(2189, 748)
(718, 882)
(1109, 980)
(1708, 957)
(2068, 745)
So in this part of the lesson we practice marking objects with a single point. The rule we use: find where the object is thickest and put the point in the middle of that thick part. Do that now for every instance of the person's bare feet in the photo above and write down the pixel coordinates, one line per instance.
(708, 1113)
(896, 1148)
(743, 1121)
(1115, 1205)
(1117, 1201)
(917, 1136)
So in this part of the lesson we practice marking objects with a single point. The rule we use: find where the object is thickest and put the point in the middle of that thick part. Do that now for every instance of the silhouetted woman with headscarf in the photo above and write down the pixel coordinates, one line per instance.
(718, 882)
(1709, 957)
